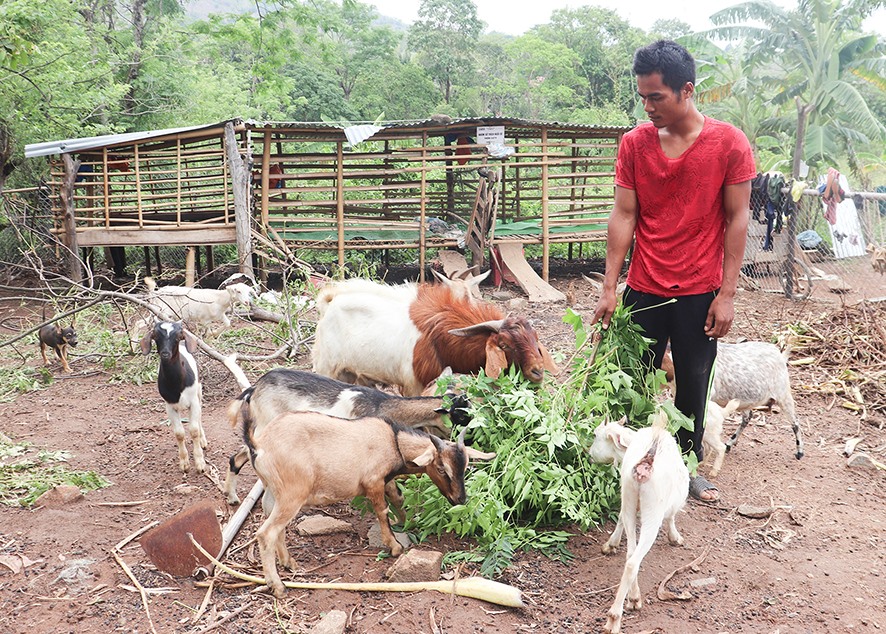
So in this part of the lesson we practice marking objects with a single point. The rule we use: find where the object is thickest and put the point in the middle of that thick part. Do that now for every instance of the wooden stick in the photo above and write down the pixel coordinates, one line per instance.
(475, 587)
(666, 595)
(223, 619)
(141, 590)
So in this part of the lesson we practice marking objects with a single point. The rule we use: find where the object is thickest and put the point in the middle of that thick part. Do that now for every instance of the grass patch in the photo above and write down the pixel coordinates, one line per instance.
(26, 473)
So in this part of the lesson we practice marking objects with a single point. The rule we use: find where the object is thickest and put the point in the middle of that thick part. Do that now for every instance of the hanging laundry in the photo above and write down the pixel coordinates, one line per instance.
(832, 195)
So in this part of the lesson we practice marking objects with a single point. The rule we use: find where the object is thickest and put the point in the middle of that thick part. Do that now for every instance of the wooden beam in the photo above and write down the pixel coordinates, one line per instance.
(545, 222)
(340, 202)
(75, 266)
(156, 237)
(240, 172)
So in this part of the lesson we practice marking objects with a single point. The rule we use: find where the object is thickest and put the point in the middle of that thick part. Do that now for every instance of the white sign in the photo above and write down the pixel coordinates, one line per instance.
(491, 135)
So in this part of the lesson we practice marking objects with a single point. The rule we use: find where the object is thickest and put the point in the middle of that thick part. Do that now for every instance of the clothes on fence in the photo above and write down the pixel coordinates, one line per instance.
(832, 195)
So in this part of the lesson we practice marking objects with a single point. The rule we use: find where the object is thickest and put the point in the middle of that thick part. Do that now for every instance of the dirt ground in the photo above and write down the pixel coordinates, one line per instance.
(817, 564)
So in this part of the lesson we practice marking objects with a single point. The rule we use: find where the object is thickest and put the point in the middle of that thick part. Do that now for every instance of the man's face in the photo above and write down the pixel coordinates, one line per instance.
(662, 105)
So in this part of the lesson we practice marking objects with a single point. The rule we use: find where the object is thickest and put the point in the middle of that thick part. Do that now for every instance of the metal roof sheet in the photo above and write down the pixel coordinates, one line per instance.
(358, 129)
(69, 146)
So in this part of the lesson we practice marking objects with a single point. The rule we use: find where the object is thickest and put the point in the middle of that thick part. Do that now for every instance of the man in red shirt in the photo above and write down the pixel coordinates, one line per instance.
(683, 186)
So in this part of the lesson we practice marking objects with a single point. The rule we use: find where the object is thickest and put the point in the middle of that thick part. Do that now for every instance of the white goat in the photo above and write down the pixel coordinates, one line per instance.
(654, 485)
(756, 374)
(714, 447)
(198, 306)
(179, 385)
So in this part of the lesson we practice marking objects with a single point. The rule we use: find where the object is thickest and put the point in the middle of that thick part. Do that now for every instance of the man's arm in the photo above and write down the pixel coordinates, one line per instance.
(736, 203)
(619, 235)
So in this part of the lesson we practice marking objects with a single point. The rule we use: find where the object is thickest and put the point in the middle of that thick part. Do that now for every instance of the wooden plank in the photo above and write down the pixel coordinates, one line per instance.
(156, 237)
(510, 255)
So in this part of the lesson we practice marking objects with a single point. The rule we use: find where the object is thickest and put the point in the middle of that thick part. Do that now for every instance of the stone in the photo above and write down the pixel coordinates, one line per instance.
(57, 497)
(374, 538)
(322, 525)
(333, 622)
(754, 512)
(518, 304)
(416, 565)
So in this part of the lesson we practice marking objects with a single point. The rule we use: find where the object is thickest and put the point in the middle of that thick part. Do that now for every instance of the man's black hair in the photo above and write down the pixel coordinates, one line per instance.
(670, 59)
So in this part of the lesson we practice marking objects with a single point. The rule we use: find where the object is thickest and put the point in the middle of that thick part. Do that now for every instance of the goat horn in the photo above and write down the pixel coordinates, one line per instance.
(461, 437)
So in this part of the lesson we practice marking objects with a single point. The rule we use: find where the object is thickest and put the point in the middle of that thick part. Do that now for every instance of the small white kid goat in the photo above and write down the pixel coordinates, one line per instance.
(654, 486)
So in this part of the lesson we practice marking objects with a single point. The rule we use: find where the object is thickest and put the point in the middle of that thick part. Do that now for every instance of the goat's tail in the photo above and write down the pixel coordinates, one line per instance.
(151, 284)
(248, 428)
(325, 296)
(235, 409)
(643, 469)
(661, 420)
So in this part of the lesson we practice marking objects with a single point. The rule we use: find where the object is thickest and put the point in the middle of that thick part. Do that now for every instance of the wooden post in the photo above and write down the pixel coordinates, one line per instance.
(240, 171)
(545, 237)
(340, 201)
(75, 267)
(422, 207)
(138, 186)
(178, 185)
(189, 266)
(107, 187)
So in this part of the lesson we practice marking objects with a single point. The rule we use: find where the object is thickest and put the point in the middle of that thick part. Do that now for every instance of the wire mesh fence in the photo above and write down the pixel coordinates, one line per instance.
(816, 245)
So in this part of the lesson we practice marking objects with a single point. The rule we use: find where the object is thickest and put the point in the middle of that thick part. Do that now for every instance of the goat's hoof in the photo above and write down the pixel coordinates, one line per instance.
(278, 590)
(234, 500)
(799, 454)
(613, 624)
(606, 549)
(634, 605)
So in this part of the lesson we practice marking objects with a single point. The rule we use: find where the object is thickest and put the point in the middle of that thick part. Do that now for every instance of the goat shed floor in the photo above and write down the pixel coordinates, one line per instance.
(819, 567)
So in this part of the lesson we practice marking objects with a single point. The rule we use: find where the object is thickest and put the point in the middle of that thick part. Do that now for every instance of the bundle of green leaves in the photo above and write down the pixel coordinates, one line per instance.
(541, 482)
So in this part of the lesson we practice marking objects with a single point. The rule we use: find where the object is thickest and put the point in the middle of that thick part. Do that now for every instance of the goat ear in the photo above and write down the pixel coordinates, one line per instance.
(146, 341)
(425, 459)
(190, 342)
(548, 361)
(618, 439)
(473, 454)
(479, 329)
(496, 361)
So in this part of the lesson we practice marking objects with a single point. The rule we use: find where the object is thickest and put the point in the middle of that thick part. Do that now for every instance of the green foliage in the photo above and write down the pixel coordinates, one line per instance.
(15, 381)
(541, 480)
(26, 473)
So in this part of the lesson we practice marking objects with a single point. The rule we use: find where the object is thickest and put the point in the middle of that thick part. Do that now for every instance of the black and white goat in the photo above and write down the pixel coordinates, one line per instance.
(179, 385)
(284, 390)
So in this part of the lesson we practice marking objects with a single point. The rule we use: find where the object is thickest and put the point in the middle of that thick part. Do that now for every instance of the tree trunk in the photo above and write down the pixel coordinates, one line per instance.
(802, 118)
(240, 174)
(75, 267)
(138, 38)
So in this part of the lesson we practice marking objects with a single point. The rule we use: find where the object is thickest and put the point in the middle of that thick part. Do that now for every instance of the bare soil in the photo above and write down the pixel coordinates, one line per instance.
(817, 564)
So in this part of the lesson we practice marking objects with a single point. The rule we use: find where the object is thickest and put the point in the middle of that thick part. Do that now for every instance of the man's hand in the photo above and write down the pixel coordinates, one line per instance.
(720, 317)
(605, 308)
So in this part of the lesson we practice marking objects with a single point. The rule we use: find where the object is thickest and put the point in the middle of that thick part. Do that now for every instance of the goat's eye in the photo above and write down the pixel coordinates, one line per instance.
(504, 346)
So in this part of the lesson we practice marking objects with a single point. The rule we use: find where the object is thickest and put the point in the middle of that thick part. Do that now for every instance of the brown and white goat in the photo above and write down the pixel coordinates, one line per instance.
(179, 385)
(367, 338)
(284, 390)
(311, 458)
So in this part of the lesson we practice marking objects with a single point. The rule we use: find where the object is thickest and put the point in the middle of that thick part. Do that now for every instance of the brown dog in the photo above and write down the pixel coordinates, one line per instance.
(58, 338)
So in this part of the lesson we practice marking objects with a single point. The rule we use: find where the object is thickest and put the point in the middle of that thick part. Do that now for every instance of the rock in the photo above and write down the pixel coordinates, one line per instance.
(59, 496)
(502, 296)
(374, 537)
(755, 512)
(416, 565)
(322, 525)
(334, 622)
(701, 583)
(518, 304)
(864, 461)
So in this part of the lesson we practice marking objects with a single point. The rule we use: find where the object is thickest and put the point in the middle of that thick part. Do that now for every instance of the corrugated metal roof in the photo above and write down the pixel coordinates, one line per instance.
(441, 121)
(69, 146)
(357, 130)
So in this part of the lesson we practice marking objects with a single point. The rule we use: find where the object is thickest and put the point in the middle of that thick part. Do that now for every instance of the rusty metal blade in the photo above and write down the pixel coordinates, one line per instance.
(169, 547)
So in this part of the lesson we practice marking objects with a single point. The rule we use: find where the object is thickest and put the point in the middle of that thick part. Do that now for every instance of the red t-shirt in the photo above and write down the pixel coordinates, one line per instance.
(681, 221)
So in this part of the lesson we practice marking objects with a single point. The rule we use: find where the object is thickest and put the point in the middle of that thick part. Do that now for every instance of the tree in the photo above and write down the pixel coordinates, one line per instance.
(445, 38)
(819, 57)
(604, 44)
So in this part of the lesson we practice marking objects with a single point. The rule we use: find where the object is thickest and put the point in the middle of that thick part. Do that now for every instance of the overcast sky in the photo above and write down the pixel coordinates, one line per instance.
(515, 17)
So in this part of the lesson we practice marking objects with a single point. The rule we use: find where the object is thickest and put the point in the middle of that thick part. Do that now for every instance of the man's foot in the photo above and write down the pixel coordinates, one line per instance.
(702, 490)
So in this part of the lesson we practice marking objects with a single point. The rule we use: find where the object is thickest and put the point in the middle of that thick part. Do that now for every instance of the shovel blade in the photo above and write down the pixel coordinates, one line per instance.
(169, 547)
